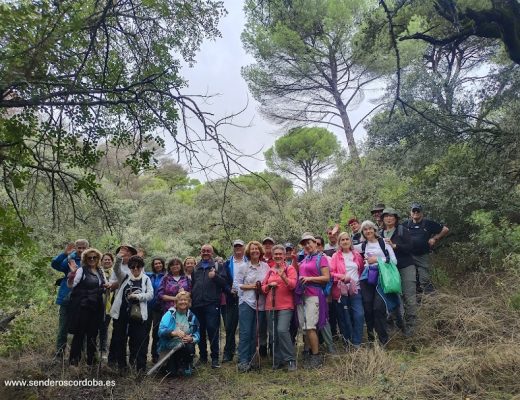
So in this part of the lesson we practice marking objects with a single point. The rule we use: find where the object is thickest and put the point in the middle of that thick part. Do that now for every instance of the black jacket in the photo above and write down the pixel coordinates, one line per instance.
(206, 291)
(403, 250)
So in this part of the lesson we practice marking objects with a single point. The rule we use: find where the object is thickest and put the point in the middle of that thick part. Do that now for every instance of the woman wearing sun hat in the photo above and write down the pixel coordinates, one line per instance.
(311, 301)
(86, 303)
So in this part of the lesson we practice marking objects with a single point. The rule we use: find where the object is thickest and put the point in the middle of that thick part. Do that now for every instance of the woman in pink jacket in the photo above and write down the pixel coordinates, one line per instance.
(346, 267)
(280, 282)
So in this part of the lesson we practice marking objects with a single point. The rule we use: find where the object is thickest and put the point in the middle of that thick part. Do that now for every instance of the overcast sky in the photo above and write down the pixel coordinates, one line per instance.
(217, 70)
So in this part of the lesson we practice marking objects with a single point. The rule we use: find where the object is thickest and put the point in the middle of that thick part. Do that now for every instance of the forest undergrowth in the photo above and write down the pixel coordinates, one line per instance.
(466, 346)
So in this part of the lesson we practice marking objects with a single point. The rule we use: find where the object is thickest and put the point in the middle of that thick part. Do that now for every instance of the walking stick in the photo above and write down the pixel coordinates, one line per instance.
(257, 294)
(164, 359)
(273, 302)
(105, 299)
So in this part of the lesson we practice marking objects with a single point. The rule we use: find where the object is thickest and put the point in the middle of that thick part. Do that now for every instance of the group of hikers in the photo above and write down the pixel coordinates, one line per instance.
(265, 290)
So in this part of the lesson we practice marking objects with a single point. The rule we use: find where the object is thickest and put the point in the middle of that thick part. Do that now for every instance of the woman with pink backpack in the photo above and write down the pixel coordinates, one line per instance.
(346, 267)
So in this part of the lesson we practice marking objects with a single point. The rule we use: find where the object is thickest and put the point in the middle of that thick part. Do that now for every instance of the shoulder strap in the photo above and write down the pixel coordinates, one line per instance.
(400, 230)
(363, 246)
(383, 247)
(318, 261)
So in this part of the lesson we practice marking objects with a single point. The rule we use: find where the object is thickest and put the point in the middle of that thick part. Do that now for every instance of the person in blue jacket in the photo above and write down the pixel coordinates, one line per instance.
(60, 263)
(179, 325)
(229, 310)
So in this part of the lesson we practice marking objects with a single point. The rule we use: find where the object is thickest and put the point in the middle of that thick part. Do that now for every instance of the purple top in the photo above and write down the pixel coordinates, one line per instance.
(308, 268)
(170, 287)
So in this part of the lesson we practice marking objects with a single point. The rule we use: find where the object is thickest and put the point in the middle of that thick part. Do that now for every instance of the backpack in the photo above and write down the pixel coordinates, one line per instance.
(190, 319)
(328, 286)
(382, 245)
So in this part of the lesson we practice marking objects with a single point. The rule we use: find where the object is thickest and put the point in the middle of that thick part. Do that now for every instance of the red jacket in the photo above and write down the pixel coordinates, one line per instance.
(338, 269)
(284, 298)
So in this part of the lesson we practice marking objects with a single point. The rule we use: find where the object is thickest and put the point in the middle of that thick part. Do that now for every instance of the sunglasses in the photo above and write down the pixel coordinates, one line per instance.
(134, 266)
(92, 258)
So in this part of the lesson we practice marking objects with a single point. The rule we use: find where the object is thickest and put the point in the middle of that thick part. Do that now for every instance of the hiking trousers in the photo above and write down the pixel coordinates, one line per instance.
(230, 318)
(424, 270)
(247, 331)
(181, 359)
(153, 322)
(61, 337)
(409, 295)
(375, 312)
(209, 320)
(136, 335)
(87, 325)
(283, 345)
(351, 318)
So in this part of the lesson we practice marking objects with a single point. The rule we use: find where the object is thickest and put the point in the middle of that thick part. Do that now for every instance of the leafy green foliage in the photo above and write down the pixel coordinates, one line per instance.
(306, 71)
(303, 154)
(497, 235)
(75, 76)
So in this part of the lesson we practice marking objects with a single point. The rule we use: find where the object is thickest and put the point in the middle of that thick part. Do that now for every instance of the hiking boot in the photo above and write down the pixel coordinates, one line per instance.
(201, 362)
(277, 365)
(306, 355)
(188, 371)
(331, 349)
(243, 367)
(227, 358)
(316, 361)
(215, 363)
(291, 366)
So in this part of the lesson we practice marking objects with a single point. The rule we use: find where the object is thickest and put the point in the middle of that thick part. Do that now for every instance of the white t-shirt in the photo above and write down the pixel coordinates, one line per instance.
(350, 266)
(374, 249)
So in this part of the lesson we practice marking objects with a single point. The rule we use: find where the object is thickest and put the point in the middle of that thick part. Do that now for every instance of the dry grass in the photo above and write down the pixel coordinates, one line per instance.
(467, 346)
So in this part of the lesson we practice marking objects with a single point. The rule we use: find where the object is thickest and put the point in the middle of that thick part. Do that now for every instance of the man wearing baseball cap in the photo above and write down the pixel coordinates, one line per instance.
(229, 310)
(425, 235)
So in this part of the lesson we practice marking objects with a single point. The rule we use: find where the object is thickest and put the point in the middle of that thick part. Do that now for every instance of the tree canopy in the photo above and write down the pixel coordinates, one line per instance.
(303, 154)
(306, 69)
(78, 77)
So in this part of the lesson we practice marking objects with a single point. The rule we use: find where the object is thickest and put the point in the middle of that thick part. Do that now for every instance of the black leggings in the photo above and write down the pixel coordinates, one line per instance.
(87, 325)
(181, 359)
(375, 312)
(136, 334)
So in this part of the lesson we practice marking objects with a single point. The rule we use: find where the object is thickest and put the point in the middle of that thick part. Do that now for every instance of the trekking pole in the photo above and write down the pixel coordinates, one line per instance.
(304, 317)
(257, 294)
(105, 299)
(166, 357)
(273, 291)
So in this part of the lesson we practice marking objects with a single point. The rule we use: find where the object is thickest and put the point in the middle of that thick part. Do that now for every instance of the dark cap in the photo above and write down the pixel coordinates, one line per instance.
(288, 246)
(378, 207)
(416, 206)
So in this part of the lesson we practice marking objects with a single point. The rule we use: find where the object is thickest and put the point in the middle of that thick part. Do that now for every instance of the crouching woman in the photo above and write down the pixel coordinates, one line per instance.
(179, 326)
